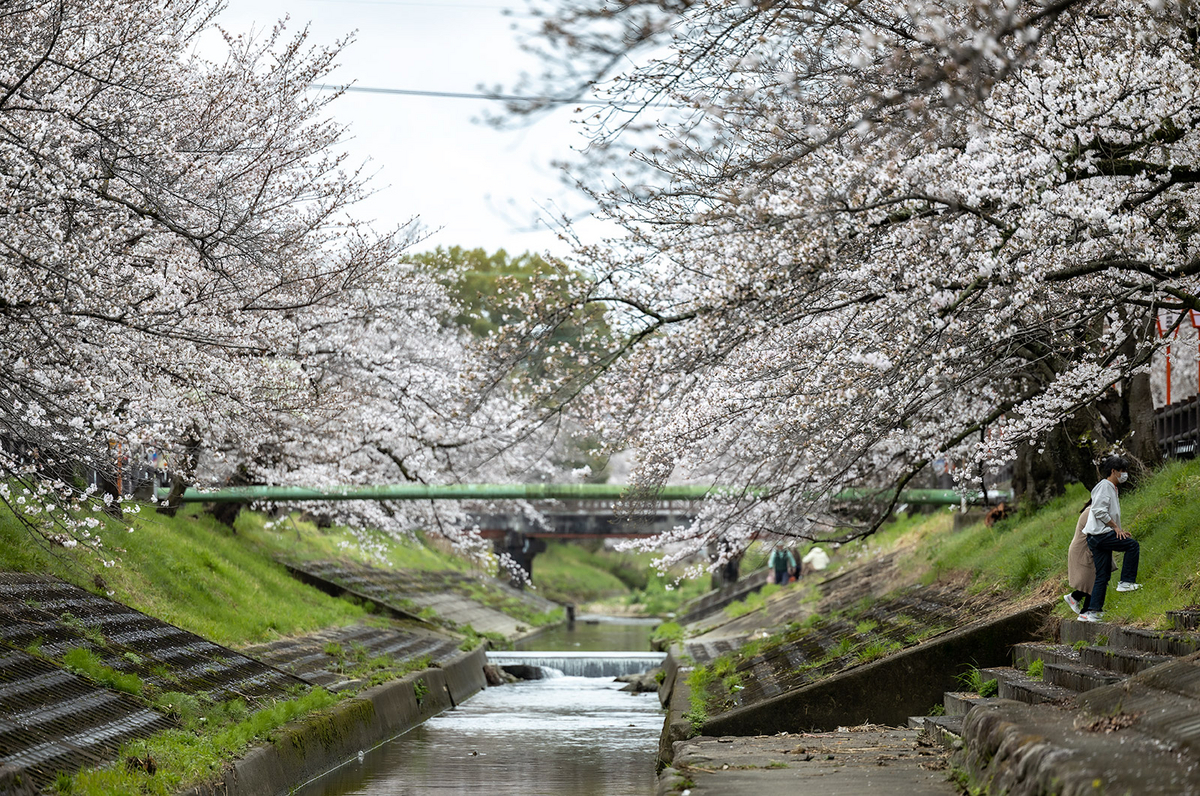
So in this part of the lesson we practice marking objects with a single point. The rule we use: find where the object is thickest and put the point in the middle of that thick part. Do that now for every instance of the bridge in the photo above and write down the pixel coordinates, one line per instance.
(570, 511)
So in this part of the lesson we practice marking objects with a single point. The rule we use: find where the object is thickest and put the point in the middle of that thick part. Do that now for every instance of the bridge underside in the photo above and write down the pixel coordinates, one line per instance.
(578, 525)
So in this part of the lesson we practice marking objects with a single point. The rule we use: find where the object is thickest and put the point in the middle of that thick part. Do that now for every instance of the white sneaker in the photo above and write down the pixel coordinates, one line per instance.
(1126, 586)
(1091, 616)
(1071, 601)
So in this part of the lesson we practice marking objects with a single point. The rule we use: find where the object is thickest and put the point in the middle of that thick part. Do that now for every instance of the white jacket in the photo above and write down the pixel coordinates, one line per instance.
(1105, 506)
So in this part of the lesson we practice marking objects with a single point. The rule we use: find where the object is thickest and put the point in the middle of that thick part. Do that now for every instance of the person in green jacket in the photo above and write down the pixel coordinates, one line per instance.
(783, 562)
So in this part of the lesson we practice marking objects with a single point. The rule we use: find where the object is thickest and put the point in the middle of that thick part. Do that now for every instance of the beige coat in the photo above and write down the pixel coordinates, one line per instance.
(1081, 569)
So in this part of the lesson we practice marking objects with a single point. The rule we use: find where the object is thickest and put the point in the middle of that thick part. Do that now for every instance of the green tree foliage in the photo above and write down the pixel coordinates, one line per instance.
(492, 291)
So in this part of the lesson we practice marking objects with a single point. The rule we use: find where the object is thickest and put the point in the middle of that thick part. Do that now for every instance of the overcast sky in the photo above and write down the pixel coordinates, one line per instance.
(471, 184)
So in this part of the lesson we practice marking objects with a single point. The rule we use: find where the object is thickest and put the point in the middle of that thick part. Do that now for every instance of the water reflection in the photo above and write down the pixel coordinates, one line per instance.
(595, 633)
(566, 735)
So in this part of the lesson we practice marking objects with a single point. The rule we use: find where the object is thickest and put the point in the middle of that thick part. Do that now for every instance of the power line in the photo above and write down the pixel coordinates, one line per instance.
(453, 94)
(409, 92)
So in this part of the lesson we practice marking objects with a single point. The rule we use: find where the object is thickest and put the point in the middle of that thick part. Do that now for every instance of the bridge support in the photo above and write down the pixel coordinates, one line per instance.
(520, 549)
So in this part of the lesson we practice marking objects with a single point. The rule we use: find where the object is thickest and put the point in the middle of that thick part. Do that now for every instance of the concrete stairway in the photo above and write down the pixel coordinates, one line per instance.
(1101, 703)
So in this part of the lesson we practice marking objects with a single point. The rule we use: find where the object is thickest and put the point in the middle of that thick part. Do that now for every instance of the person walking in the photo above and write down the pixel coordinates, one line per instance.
(1081, 570)
(1106, 536)
(782, 561)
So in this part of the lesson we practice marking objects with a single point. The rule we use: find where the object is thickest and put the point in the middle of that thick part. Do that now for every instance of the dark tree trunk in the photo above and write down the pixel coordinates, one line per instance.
(1044, 468)
(182, 477)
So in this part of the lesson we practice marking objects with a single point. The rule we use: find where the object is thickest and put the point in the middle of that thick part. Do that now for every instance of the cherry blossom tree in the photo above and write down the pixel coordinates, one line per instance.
(872, 234)
(180, 270)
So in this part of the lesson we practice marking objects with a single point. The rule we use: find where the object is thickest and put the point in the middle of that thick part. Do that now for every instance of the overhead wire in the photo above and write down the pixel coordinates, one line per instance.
(454, 94)
(410, 92)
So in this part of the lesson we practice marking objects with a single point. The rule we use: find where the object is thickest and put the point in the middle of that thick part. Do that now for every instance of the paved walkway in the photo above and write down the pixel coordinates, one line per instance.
(853, 762)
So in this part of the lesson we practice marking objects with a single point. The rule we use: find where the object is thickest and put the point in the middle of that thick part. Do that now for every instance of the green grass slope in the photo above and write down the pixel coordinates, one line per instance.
(193, 572)
(1026, 555)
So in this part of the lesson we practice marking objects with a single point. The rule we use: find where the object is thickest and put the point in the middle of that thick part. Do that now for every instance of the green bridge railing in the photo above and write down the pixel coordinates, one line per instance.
(288, 494)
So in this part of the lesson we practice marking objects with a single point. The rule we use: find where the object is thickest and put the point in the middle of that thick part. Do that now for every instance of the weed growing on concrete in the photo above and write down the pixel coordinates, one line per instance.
(1079, 645)
(184, 708)
(92, 634)
(86, 662)
(866, 626)
(187, 756)
(1036, 668)
(972, 680)
(813, 622)
(420, 689)
(666, 634)
(937, 710)
(474, 638)
(876, 649)
(753, 602)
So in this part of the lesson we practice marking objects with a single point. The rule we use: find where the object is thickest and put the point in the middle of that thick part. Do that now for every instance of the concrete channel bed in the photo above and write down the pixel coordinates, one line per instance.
(53, 720)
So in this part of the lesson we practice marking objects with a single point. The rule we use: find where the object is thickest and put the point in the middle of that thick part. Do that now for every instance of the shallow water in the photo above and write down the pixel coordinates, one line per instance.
(562, 736)
(595, 633)
(565, 735)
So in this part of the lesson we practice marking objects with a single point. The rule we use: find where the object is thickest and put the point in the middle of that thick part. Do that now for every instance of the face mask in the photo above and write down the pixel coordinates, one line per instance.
(1124, 477)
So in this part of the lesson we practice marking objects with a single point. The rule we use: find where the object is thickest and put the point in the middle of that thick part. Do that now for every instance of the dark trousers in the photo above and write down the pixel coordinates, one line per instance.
(1103, 545)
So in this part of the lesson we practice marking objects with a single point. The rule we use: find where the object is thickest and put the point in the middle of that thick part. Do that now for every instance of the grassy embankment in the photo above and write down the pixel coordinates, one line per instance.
(1020, 559)
(610, 581)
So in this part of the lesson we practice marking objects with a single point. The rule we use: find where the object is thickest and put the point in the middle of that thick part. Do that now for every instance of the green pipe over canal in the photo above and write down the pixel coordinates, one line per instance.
(287, 494)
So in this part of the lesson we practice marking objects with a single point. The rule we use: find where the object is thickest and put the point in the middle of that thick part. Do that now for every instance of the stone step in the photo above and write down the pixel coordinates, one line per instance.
(1160, 714)
(1026, 653)
(958, 703)
(946, 730)
(1121, 660)
(1106, 634)
(1180, 676)
(1078, 677)
(1041, 749)
(1184, 619)
(1017, 685)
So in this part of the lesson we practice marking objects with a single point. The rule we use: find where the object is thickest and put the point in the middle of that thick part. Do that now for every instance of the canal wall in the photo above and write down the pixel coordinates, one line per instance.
(889, 690)
(306, 749)
(861, 647)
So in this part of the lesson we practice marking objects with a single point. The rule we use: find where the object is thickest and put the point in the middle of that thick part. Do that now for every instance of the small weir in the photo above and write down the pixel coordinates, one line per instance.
(581, 664)
(576, 734)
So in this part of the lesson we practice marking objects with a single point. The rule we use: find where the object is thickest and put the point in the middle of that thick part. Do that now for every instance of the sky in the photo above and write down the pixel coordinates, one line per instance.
(470, 184)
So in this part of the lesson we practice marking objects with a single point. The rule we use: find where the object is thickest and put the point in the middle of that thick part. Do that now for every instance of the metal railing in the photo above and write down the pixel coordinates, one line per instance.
(1178, 427)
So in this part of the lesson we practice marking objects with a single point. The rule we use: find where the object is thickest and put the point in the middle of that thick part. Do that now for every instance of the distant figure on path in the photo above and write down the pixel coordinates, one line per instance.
(817, 559)
(1081, 569)
(782, 561)
(1105, 536)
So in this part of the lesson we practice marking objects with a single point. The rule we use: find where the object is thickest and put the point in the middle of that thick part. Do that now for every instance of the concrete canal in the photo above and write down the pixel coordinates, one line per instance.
(558, 735)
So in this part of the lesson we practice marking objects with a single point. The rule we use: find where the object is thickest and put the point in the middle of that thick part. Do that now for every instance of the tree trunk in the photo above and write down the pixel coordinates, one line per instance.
(1044, 468)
